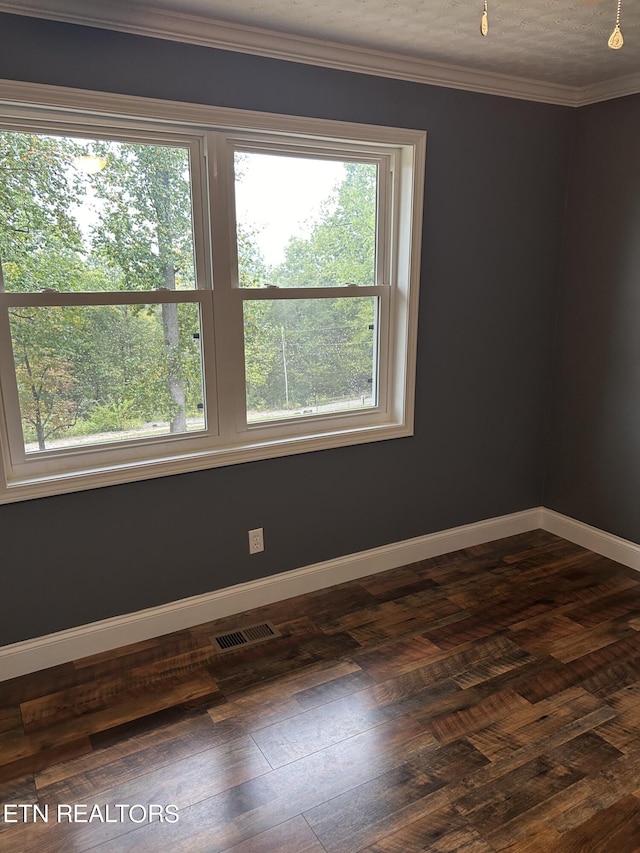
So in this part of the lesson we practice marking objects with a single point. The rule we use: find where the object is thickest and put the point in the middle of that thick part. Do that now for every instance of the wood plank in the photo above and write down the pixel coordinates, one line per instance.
(386, 610)
(173, 646)
(616, 828)
(122, 688)
(23, 750)
(360, 817)
(399, 657)
(337, 688)
(538, 635)
(534, 724)
(495, 804)
(461, 723)
(270, 703)
(448, 762)
(599, 667)
(16, 792)
(497, 769)
(443, 831)
(587, 753)
(491, 669)
(414, 620)
(129, 757)
(620, 604)
(292, 836)
(571, 807)
(416, 653)
(14, 691)
(544, 552)
(22, 754)
(487, 621)
(612, 783)
(539, 838)
(10, 719)
(394, 581)
(623, 731)
(317, 728)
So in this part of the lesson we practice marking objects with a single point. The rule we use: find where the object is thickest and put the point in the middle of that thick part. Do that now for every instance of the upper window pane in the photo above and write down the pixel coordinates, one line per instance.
(305, 222)
(94, 215)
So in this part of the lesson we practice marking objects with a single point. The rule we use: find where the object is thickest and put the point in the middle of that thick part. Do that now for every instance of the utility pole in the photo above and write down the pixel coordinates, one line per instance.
(284, 366)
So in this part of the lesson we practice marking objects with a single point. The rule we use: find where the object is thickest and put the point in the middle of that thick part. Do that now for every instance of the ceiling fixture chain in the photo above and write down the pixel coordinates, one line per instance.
(615, 39)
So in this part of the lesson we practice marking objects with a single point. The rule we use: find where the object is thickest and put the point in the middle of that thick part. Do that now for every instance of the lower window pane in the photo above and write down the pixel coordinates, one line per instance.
(107, 373)
(307, 357)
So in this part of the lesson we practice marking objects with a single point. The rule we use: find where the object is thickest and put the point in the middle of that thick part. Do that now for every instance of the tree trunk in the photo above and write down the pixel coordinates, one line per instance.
(36, 399)
(40, 432)
(170, 315)
(174, 371)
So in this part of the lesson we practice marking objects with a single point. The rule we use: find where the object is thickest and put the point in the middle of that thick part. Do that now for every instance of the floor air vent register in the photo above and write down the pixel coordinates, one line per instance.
(244, 637)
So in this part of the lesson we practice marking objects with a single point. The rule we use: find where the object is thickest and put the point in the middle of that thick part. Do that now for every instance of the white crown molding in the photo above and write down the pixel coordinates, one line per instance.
(620, 87)
(161, 23)
(63, 646)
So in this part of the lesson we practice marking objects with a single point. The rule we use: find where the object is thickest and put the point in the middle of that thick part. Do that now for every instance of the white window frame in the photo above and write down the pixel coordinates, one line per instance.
(385, 160)
(212, 134)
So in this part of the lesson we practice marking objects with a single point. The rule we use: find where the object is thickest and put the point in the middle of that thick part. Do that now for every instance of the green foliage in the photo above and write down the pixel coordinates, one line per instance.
(117, 416)
(38, 190)
(145, 221)
(58, 269)
(43, 353)
(252, 270)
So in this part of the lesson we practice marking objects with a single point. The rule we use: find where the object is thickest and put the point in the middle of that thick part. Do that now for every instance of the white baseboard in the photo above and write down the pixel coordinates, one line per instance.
(614, 547)
(52, 649)
(63, 646)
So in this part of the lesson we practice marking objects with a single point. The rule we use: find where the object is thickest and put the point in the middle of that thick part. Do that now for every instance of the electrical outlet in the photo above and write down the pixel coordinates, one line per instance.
(256, 541)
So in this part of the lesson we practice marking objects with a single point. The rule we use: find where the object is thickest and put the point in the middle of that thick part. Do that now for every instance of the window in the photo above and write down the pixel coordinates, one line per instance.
(186, 287)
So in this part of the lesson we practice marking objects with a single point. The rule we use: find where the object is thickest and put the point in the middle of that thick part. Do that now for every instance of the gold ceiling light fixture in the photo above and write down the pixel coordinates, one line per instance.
(615, 39)
(484, 21)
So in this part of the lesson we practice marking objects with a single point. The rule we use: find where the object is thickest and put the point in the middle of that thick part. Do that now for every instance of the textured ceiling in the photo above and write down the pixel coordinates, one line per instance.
(553, 41)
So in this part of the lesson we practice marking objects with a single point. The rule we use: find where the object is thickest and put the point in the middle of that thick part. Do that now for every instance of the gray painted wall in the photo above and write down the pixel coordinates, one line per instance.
(594, 452)
(496, 175)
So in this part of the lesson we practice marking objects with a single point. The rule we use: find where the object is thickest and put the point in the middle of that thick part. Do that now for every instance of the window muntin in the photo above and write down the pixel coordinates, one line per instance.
(229, 436)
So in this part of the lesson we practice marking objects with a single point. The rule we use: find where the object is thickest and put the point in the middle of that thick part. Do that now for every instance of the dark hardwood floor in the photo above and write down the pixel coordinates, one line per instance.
(486, 700)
